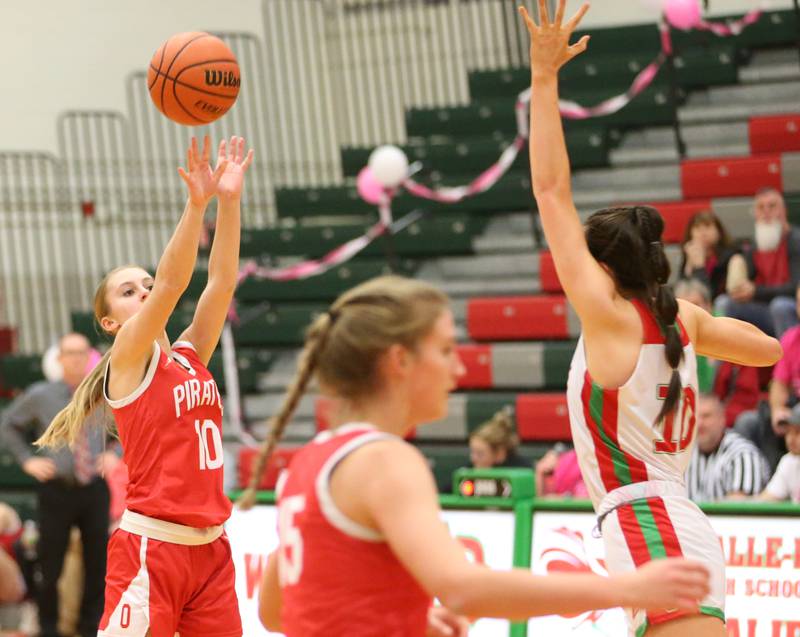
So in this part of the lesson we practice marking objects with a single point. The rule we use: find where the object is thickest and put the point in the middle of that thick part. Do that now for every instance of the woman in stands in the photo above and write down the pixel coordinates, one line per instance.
(169, 563)
(495, 442)
(707, 250)
(633, 382)
(362, 546)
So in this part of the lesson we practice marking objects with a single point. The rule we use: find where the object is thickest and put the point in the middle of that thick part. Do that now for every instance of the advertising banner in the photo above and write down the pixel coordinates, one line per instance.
(487, 536)
(762, 570)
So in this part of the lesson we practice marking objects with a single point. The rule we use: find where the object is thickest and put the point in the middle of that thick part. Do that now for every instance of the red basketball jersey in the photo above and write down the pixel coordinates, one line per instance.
(337, 576)
(171, 433)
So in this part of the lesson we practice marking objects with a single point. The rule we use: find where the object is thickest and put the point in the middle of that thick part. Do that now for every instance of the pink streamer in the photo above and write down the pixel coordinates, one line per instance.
(731, 28)
(490, 176)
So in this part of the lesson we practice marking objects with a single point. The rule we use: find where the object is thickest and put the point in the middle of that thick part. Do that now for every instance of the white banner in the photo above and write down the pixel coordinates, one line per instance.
(253, 535)
(763, 573)
(487, 536)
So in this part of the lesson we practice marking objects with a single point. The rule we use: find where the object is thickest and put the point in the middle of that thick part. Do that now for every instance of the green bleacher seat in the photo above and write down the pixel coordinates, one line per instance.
(496, 116)
(557, 360)
(276, 326)
(642, 38)
(481, 406)
(707, 66)
(443, 461)
(442, 233)
(23, 501)
(511, 193)
(20, 370)
(11, 474)
(605, 75)
(775, 28)
(471, 156)
(793, 208)
(250, 363)
(324, 287)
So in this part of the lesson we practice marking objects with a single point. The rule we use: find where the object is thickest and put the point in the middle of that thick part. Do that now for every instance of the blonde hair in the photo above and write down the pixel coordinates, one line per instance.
(344, 344)
(69, 422)
(500, 432)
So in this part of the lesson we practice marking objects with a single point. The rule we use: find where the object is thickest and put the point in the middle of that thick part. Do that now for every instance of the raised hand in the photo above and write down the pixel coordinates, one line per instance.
(200, 180)
(236, 164)
(550, 48)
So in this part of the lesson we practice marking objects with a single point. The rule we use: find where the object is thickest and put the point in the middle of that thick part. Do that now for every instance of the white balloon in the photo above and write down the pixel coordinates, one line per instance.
(51, 366)
(389, 165)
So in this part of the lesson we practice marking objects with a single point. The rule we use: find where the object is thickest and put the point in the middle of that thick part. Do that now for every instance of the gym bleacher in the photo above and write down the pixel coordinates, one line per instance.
(738, 102)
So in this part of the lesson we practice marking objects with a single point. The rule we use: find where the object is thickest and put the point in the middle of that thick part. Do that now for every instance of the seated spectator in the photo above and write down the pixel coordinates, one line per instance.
(706, 248)
(764, 296)
(785, 484)
(724, 465)
(695, 291)
(494, 443)
(766, 425)
(12, 584)
(558, 474)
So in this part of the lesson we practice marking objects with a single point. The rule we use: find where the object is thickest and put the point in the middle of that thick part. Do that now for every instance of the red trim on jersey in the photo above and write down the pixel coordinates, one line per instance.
(601, 450)
(634, 538)
(668, 536)
(652, 332)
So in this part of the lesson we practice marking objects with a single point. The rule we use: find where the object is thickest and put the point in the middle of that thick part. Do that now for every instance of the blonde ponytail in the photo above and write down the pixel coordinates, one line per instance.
(69, 422)
(315, 340)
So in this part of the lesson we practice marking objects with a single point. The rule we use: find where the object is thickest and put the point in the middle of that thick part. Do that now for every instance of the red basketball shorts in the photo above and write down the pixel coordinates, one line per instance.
(169, 588)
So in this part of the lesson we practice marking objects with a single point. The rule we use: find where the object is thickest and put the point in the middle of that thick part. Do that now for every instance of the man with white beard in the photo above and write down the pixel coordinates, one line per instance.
(765, 296)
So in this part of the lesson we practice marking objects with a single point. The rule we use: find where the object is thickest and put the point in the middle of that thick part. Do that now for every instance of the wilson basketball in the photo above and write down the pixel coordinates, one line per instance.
(193, 78)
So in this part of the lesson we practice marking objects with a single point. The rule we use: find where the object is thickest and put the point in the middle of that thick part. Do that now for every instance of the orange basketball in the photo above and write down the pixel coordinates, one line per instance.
(193, 78)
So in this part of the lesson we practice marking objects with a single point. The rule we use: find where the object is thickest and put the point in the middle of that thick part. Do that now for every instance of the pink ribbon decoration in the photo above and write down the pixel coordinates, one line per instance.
(489, 177)
(723, 29)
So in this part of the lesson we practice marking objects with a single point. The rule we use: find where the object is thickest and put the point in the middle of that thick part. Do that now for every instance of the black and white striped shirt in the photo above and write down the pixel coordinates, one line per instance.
(737, 466)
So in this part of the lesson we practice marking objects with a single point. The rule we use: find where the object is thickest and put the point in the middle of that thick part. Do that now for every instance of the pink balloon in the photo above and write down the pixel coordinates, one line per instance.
(683, 14)
(94, 358)
(369, 188)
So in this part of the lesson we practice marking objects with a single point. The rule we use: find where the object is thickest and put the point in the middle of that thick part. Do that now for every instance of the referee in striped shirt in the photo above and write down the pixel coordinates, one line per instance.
(724, 464)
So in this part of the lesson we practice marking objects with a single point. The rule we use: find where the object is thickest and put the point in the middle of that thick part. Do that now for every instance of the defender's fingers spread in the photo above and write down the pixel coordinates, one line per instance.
(560, 12)
(544, 16)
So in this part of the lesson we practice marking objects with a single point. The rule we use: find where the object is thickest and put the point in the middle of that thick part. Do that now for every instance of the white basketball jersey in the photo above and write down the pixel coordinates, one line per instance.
(616, 436)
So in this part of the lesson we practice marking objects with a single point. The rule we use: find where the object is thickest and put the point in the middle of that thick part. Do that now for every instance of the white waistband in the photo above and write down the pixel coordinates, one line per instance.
(163, 531)
(639, 491)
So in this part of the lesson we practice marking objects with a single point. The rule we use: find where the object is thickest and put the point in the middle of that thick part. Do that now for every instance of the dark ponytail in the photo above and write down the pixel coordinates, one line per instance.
(628, 241)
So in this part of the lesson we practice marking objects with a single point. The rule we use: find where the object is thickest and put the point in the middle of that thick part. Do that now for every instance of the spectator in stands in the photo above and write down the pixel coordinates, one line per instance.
(785, 484)
(697, 292)
(558, 474)
(724, 465)
(12, 584)
(766, 426)
(71, 492)
(764, 296)
(495, 442)
(706, 250)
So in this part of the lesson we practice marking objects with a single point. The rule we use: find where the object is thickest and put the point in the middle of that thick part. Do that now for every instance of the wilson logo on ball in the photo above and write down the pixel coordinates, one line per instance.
(221, 78)
(193, 78)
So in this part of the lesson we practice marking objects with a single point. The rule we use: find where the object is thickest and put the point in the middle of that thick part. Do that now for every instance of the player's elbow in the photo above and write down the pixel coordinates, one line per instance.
(774, 352)
(460, 592)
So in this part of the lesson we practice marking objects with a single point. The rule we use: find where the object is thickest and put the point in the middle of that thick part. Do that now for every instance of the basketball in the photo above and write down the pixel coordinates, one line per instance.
(193, 78)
